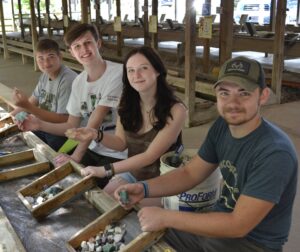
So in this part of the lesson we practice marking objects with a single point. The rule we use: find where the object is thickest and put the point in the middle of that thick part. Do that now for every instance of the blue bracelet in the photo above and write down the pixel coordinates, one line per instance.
(146, 188)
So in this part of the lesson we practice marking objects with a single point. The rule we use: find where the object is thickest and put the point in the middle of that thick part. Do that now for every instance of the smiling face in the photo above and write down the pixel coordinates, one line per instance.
(141, 74)
(237, 106)
(49, 62)
(85, 49)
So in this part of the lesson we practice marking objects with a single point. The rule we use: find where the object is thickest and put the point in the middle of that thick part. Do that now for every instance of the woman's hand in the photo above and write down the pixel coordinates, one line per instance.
(82, 134)
(93, 171)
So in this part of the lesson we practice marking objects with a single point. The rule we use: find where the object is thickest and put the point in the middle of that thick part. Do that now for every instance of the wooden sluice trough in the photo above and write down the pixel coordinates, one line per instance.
(29, 156)
(65, 176)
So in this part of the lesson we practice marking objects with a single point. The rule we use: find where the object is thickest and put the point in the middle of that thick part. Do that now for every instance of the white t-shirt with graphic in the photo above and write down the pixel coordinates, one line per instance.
(106, 91)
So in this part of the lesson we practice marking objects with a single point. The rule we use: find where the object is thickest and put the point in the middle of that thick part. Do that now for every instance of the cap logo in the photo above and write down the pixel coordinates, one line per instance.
(238, 67)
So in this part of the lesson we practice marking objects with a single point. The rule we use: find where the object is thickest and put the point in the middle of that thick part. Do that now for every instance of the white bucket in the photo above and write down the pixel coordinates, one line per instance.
(200, 198)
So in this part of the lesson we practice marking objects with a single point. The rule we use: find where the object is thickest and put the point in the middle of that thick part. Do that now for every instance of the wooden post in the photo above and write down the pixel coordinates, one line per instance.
(84, 11)
(278, 56)
(39, 17)
(147, 41)
(98, 12)
(6, 54)
(34, 37)
(226, 30)
(154, 36)
(272, 15)
(70, 9)
(47, 18)
(21, 19)
(13, 15)
(190, 60)
(119, 34)
(136, 10)
(206, 55)
(65, 15)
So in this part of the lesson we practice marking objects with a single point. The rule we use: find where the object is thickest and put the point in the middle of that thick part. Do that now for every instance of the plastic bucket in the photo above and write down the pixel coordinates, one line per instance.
(200, 198)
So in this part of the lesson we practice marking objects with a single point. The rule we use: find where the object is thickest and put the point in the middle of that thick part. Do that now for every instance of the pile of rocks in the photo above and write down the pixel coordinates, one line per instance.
(44, 195)
(109, 240)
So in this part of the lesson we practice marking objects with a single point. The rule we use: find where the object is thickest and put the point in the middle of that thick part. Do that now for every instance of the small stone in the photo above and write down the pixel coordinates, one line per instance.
(124, 197)
(30, 199)
(84, 245)
(21, 116)
(91, 246)
(118, 230)
(40, 200)
(118, 237)
(98, 249)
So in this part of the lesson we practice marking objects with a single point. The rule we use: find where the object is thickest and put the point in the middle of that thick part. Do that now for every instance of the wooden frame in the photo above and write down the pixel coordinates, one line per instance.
(39, 165)
(9, 130)
(142, 241)
(49, 179)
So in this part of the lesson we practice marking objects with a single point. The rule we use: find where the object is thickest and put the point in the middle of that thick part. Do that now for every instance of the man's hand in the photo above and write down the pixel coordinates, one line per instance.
(82, 134)
(135, 194)
(20, 98)
(152, 218)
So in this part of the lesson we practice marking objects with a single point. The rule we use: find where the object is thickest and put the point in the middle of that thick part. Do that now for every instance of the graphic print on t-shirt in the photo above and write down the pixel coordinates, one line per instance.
(46, 100)
(230, 191)
(88, 106)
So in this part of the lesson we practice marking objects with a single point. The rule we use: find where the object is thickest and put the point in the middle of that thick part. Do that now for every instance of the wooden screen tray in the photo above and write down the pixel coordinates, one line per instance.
(138, 240)
(10, 129)
(21, 164)
(63, 174)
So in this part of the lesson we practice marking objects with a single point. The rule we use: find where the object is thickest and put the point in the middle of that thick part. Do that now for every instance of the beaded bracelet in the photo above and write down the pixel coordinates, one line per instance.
(146, 188)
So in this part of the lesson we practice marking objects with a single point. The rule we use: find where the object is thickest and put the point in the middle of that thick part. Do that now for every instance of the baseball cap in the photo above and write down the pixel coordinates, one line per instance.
(245, 72)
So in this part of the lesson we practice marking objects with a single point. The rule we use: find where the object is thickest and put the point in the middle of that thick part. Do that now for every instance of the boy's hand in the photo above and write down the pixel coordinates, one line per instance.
(20, 98)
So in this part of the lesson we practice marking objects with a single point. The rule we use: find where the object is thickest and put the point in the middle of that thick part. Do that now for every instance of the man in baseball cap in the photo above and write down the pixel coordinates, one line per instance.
(245, 72)
(259, 166)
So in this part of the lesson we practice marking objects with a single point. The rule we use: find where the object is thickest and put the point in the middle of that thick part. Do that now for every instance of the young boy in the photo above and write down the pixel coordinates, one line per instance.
(49, 99)
(93, 100)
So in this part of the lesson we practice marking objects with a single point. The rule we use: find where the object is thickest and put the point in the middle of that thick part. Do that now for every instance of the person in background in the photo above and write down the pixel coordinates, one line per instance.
(49, 99)
(95, 95)
(149, 124)
(259, 167)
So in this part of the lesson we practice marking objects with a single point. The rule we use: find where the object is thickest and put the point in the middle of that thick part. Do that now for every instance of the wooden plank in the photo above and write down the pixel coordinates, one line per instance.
(23, 171)
(6, 120)
(16, 158)
(9, 131)
(49, 179)
(9, 240)
(100, 199)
